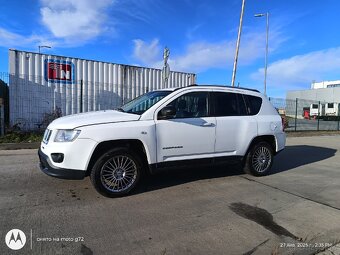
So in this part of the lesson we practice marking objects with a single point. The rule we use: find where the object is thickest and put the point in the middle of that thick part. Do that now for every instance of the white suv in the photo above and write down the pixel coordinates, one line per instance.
(163, 129)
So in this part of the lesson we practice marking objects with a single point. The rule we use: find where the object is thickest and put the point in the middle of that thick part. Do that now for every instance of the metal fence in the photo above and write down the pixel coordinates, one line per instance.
(3, 102)
(308, 115)
(34, 103)
(2, 118)
(33, 106)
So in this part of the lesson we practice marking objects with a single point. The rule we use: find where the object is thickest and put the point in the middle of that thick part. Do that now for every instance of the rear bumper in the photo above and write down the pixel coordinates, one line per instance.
(280, 141)
(62, 173)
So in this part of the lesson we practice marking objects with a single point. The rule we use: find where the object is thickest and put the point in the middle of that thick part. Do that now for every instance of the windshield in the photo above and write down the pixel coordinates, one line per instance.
(140, 104)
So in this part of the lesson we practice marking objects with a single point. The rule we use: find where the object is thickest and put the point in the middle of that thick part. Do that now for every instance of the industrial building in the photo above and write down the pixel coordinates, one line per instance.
(326, 91)
(323, 100)
(42, 86)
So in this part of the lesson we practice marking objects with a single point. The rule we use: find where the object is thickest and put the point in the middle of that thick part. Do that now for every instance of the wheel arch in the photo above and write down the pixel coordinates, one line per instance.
(135, 145)
(270, 139)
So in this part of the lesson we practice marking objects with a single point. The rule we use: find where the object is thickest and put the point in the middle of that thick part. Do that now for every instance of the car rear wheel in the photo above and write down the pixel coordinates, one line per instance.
(259, 159)
(116, 173)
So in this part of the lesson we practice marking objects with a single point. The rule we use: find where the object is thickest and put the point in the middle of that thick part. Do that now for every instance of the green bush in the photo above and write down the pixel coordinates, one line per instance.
(21, 137)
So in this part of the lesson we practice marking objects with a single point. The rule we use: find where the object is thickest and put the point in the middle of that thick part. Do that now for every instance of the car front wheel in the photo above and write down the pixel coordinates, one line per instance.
(259, 159)
(116, 172)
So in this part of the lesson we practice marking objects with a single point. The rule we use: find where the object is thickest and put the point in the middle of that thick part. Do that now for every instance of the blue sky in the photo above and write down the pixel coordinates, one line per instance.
(304, 42)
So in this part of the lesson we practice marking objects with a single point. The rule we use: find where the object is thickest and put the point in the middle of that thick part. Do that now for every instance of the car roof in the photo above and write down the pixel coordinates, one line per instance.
(209, 86)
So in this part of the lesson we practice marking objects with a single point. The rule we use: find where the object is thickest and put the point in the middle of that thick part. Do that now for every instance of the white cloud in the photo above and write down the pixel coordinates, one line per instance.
(74, 20)
(146, 53)
(197, 57)
(10, 39)
(70, 23)
(203, 55)
(299, 71)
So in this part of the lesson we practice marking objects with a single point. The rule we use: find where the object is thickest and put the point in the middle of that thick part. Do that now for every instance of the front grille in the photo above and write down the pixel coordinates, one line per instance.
(47, 136)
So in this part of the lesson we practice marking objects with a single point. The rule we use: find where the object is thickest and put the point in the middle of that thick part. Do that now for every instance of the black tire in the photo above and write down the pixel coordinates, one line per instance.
(117, 172)
(259, 159)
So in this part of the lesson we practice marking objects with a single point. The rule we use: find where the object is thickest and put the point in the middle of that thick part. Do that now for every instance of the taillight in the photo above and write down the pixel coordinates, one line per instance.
(283, 120)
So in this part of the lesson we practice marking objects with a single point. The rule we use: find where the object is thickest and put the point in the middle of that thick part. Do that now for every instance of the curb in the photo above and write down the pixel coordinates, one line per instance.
(311, 133)
(19, 146)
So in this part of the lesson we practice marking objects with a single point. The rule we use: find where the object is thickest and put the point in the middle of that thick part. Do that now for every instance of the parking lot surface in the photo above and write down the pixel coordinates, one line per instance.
(215, 210)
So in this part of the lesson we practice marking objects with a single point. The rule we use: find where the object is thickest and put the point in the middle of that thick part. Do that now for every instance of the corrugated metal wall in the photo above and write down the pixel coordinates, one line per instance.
(39, 84)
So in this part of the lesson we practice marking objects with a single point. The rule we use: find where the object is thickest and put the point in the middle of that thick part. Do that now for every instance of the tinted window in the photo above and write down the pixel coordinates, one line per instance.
(253, 104)
(228, 104)
(140, 104)
(315, 106)
(191, 105)
(330, 105)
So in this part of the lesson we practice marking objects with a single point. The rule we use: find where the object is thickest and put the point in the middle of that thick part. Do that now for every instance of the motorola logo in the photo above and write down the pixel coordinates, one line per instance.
(15, 239)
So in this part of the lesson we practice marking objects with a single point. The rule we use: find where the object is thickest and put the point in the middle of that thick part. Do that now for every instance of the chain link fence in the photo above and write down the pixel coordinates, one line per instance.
(4, 108)
(34, 106)
(2, 118)
(308, 115)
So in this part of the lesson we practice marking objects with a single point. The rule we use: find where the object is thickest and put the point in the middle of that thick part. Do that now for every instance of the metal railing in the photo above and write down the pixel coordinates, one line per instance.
(33, 106)
(308, 115)
(2, 118)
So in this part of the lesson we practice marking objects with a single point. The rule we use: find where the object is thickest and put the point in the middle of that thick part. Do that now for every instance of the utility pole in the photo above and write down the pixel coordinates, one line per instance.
(238, 45)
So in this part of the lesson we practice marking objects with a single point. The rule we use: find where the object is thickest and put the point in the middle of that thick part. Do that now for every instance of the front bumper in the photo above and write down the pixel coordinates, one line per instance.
(62, 173)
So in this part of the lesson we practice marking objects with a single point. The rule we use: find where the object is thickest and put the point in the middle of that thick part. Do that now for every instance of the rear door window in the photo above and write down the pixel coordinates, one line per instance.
(228, 104)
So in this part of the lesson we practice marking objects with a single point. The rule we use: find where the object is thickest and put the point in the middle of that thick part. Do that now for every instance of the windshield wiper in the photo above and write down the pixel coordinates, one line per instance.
(120, 109)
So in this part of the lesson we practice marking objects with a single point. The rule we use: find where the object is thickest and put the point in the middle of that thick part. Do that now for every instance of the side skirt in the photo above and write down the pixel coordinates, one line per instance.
(166, 166)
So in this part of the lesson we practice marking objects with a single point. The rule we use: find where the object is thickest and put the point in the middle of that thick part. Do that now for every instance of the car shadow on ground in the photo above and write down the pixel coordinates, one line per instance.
(299, 155)
(289, 159)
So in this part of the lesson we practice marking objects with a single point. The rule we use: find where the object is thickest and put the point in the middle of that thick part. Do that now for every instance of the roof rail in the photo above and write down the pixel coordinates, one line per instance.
(192, 85)
(219, 86)
(226, 86)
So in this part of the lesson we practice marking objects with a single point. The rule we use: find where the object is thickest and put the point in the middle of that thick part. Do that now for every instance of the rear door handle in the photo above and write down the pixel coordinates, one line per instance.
(207, 124)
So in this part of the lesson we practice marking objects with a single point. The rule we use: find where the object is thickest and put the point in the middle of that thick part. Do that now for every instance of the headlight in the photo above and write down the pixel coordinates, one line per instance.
(66, 135)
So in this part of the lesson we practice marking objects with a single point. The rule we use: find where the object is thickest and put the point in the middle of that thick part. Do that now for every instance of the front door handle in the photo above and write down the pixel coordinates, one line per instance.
(207, 124)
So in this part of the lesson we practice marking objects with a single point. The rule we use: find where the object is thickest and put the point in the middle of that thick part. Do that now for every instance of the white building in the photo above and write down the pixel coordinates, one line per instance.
(321, 93)
(325, 84)
(324, 91)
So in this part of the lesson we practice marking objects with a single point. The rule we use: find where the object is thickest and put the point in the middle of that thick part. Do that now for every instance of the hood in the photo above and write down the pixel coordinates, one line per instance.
(91, 118)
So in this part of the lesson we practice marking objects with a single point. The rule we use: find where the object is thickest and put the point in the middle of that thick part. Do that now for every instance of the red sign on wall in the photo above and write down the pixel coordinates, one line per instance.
(59, 71)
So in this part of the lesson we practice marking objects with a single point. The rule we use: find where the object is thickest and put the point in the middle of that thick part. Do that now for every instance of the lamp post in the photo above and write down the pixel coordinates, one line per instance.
(43, 46)
(266, 56)
(237, 45)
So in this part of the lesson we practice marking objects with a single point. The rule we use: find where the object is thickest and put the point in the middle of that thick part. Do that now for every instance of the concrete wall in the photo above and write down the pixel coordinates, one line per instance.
(327, 95)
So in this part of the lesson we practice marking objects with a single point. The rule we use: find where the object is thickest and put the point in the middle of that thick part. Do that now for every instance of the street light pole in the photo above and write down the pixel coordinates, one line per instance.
(43, 46)
(237, 45)
(266, 55)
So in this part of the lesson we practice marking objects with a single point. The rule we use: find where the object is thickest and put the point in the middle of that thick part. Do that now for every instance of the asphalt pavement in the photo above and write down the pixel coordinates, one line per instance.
(215, 210)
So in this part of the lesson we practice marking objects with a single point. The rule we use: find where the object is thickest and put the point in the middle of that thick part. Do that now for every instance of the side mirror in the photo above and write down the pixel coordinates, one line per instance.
(168, 112)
